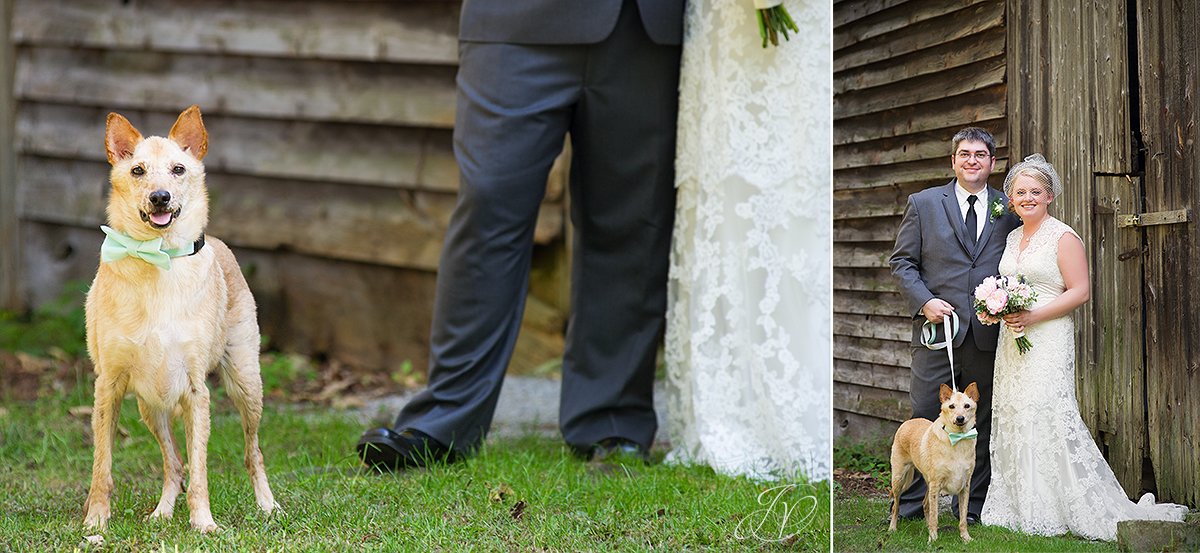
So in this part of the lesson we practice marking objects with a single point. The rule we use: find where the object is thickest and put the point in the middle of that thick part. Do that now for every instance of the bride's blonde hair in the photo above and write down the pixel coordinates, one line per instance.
(1037, 168)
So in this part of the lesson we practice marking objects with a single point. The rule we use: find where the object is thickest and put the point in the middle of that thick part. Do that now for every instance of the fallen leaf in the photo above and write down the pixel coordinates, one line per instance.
(498, 493)
(518, 510)
(81, 411)
(92, 541)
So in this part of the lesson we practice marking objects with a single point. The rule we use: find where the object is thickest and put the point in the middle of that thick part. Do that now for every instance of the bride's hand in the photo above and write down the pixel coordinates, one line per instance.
(1019, 320)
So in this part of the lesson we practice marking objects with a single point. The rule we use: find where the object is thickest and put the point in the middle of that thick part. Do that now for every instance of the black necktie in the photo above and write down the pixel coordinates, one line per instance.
(972, 219)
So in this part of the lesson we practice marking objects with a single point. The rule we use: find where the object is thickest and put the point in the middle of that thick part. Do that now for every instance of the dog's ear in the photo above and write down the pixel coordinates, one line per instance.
(945, 394)
(120, 138)
(972, 392)
(188, 132)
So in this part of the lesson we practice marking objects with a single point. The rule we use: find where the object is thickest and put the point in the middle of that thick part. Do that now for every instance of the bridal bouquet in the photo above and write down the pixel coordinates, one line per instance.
(998, 296)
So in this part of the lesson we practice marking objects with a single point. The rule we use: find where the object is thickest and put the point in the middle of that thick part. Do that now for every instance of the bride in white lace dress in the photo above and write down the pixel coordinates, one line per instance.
(748, 343)
(1048, 476)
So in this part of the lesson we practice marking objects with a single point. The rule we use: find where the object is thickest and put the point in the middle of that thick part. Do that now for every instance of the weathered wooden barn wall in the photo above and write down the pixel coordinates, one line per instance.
(10, 253)
(330, 162)
(907, 76)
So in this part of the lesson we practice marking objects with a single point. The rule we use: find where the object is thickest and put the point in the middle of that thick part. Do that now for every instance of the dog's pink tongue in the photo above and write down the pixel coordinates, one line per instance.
(161, 218)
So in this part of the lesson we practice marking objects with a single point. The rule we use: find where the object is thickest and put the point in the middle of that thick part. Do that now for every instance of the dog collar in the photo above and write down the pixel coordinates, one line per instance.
(118, 246)
(956, 437)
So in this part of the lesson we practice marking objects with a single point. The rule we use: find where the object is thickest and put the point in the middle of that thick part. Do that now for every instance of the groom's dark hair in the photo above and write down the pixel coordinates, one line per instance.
(974, 133)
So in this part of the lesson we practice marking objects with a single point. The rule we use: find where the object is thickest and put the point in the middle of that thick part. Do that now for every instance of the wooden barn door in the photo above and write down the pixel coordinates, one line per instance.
(1168, 56)
(1105, 91)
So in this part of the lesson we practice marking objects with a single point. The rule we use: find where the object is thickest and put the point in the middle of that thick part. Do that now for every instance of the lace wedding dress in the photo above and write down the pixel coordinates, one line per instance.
(748, 342)
(1048, 476)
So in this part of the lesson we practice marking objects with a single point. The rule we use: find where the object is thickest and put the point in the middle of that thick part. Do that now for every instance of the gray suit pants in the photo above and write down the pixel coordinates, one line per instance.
(516, 103)
(931, 368)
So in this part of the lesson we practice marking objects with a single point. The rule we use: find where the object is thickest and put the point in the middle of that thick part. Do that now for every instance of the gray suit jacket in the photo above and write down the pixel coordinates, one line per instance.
(932, 260)
(564, 21)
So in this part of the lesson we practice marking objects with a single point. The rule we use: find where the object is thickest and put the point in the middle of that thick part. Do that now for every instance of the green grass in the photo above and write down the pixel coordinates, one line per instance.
(525, 494)
(861, 523)
(56, 327)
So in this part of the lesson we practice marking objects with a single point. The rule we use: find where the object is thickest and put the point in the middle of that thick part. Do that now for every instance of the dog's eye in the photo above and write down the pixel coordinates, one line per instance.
(178, 170)
(967, 406)
(951, 405)
(137, 171)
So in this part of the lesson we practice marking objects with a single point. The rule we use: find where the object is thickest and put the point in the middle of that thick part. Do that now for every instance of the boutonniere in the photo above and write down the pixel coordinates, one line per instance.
(996, 209)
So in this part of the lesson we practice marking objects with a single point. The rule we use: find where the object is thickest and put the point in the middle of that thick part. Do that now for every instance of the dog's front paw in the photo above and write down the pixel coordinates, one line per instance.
(162, 513)
(932, 537)
(271, 508)
(966, 537)
(205, 526)
(96, 515)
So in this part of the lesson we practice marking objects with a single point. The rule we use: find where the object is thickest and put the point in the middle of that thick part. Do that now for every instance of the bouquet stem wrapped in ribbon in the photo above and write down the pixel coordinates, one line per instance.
(998, 296)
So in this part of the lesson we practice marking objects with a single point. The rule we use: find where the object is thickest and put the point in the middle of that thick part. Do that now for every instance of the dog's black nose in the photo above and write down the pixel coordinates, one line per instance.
(960, 420)
(160, 198)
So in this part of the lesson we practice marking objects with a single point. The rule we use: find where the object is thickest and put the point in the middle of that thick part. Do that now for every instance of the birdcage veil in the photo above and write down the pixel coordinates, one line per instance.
(1039, 169)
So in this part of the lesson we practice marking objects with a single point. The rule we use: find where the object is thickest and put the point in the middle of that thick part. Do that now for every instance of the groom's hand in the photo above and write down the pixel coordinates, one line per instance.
(935, 309)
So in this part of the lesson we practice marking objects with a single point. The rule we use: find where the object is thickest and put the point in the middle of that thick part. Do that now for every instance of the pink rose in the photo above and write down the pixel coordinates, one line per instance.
(985, 288)
(996, 301)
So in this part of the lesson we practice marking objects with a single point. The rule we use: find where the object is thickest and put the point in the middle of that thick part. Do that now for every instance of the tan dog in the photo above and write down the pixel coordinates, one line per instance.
(160, 331)
(946, 467)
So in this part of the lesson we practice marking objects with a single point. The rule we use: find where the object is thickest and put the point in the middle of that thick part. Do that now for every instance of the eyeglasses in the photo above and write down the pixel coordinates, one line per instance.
(964, 155)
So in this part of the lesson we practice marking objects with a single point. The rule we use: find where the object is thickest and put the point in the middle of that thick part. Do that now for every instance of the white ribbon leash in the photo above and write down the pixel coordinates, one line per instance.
(929, 333)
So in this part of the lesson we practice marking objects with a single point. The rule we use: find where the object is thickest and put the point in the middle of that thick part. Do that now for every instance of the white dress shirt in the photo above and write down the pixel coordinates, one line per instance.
(980, 206)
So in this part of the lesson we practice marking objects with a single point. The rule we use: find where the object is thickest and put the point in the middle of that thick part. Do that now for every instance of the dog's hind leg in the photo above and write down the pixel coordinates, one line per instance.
(107, 409)
(196, 423)
(902, 477)
(159, 423)
(240, 374)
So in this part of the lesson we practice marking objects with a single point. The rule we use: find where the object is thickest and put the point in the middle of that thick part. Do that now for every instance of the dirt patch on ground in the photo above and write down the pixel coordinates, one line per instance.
(25, 377)
(858, 483)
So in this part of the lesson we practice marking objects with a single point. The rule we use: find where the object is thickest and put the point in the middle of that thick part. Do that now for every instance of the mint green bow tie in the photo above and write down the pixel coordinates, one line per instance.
(118, 246)
(956, 437)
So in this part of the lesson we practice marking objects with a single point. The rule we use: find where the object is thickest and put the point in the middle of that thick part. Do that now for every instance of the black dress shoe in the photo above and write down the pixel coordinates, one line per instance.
(384, 449)
(615, 449)
(972, 518)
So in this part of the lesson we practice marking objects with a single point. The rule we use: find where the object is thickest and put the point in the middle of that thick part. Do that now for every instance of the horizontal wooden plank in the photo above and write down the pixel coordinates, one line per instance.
(870, 303)
(855, 254)
(404, 32)
(864, 280)
(849, 11)
(377, 155)
(956, 111)
(933, 144)
(874, 402)
(872, 350)
(312, 90)
(930, 170)
(959, 80)
(886, 201)
(874, 229)
(888, 21)
(884, 377)
(964, 51)
(925, 34)
(873, 433)
(873, 326)
(338, 221)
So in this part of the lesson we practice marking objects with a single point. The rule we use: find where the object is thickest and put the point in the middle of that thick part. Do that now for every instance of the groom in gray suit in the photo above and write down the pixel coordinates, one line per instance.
(949, 241)
(607, 72)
